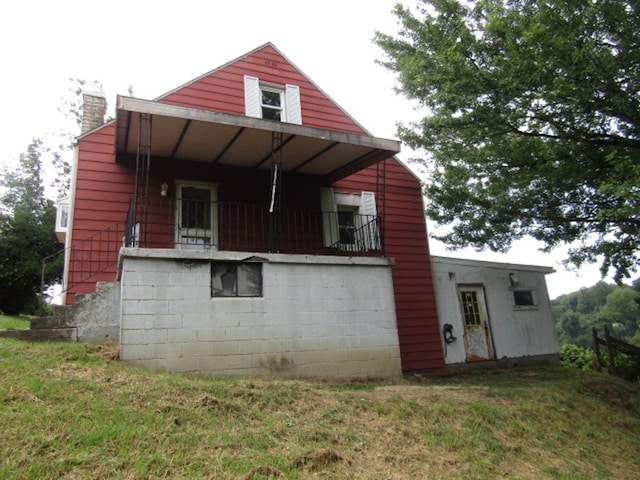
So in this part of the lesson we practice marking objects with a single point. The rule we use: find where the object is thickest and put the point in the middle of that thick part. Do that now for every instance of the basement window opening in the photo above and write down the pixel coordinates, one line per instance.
(234, 279)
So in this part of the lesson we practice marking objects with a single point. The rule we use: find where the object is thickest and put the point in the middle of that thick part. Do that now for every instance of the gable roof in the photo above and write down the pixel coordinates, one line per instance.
(182, 129)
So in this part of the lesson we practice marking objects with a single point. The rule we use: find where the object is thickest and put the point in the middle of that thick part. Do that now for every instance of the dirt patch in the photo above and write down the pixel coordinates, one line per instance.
(263, 472)
(319, 460)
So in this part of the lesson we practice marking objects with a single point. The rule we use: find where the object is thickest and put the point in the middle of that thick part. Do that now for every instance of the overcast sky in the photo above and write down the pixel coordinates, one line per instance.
(155, 46)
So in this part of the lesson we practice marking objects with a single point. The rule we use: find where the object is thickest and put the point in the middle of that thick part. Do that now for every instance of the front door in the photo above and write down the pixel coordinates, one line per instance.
(196, 214)
(477, 334)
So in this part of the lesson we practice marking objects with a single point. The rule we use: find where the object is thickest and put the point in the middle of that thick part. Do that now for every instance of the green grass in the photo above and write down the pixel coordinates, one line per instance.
(10, 322)
(70, 410)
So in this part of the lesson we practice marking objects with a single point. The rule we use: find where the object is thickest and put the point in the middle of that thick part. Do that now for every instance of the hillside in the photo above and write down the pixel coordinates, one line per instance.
(73, 411)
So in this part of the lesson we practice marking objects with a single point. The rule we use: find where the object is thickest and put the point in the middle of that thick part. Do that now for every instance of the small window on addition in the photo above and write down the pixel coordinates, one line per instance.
(524, 298)
(233, 279)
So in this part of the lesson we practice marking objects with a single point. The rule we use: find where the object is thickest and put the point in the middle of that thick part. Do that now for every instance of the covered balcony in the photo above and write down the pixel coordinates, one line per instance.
(153, 136)
(197, 222)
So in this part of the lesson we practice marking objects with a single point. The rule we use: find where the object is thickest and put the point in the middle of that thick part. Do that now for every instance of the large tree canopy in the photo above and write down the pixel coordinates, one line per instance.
(532, 121)
(27, 223)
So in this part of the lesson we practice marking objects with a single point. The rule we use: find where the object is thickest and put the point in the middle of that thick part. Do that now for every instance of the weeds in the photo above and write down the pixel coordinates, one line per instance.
(73, 411)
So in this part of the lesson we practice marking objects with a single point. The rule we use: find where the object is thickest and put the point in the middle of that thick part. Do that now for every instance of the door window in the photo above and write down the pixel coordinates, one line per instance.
(477, 332)
(196, 214)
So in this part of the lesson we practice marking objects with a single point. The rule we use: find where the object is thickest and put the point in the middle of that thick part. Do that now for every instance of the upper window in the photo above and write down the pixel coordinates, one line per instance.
(62, 219)
(63, 216)
(272, 102)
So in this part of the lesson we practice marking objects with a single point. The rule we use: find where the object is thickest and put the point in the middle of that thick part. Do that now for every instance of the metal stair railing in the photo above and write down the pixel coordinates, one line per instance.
(90, 256)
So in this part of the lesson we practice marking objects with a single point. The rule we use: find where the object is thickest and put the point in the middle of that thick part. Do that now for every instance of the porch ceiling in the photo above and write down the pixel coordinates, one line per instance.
(193, 134)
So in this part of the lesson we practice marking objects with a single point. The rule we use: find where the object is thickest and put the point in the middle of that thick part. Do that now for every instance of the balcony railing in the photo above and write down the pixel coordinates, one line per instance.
(166, 222)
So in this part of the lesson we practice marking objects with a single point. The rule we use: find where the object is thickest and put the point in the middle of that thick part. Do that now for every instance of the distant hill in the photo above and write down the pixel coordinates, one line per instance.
(602, 304)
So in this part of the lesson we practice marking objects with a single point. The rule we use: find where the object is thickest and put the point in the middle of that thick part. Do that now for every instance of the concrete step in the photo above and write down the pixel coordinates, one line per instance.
(43, 335)
(62, 317)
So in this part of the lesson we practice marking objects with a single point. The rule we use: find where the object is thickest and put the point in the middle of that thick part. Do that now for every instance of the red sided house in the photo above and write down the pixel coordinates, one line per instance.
(244, 223)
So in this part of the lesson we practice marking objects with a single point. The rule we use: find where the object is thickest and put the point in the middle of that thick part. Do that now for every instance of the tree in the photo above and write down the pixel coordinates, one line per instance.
(532, 123)
(27, 223)
(622, 312)
(616, 306)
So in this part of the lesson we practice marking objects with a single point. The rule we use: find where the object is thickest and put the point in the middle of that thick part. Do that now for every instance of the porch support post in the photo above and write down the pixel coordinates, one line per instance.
(275, 200)
(143, 165)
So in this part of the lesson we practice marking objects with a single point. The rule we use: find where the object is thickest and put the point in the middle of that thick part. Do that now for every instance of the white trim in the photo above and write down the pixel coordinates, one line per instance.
(489, 264)
(69, 237)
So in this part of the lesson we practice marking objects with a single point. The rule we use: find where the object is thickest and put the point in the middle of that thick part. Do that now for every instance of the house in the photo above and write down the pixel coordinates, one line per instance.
(493, 314)
(253, 226)
(243, 223)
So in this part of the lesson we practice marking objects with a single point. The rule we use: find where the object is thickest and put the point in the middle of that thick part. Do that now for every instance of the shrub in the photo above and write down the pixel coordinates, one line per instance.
(574, 356)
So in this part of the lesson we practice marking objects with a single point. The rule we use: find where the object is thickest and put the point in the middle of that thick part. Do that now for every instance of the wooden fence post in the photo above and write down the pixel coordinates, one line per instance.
(596, 348)
(610, 352)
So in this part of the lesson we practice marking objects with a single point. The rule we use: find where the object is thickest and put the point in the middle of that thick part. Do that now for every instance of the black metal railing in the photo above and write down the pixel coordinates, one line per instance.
(166, 222)
(90, 257)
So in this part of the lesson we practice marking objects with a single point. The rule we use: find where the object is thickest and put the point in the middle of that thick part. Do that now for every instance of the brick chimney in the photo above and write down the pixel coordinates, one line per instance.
(94, 106)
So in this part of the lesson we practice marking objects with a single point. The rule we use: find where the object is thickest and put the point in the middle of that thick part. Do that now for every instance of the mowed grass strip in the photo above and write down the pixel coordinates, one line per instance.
(11, 322)
(73, 411)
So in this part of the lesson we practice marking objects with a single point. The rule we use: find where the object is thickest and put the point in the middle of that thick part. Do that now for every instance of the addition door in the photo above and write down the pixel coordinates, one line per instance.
(477, 332)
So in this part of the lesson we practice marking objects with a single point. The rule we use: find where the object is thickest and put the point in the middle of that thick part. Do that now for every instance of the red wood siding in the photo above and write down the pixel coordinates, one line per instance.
(104, 189)
(102, 194)
(405, 240)
(223, 90)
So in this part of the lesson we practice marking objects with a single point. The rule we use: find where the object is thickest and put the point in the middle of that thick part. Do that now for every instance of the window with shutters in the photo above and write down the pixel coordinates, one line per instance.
(350, 221)
(272, 102)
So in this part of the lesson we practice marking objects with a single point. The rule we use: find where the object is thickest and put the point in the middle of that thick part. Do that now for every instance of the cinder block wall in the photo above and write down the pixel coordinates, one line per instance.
(318, 316)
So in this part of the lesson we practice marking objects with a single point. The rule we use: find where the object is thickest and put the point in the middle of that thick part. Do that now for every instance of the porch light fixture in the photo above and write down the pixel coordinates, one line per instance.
(513, 279)
(164, 188)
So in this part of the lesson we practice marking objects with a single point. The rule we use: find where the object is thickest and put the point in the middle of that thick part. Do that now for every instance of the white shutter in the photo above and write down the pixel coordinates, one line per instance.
(370, 235)
(293, 109)
(368, 204)
(329, 216)
(252, 97)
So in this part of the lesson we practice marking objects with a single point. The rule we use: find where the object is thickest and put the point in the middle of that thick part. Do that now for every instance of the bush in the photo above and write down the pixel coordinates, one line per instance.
(574, 356)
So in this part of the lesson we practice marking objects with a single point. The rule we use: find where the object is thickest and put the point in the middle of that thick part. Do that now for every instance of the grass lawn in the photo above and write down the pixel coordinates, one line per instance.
(10, 322)
(70, 410)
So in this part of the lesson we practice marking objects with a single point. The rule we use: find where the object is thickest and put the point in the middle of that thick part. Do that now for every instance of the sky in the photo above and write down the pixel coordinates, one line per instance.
(155, 46)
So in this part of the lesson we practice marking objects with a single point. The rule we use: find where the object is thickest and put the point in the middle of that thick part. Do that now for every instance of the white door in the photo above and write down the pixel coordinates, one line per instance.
(477, 334)
(196, 215)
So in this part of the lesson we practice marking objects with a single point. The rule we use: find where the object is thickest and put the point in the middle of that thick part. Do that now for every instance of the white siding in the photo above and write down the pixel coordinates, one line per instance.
(516, 332)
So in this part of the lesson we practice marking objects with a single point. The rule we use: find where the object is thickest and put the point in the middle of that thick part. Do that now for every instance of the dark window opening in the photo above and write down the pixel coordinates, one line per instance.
(523, 298)
(196, 208)
(347, 227)
(271, 101)
(231, 279)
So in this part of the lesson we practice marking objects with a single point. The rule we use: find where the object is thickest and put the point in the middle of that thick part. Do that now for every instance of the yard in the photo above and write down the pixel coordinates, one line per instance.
(70, 410)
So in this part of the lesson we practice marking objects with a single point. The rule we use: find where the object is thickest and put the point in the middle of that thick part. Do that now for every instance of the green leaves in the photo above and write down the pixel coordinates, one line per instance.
(531, 122)
(27, 224)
